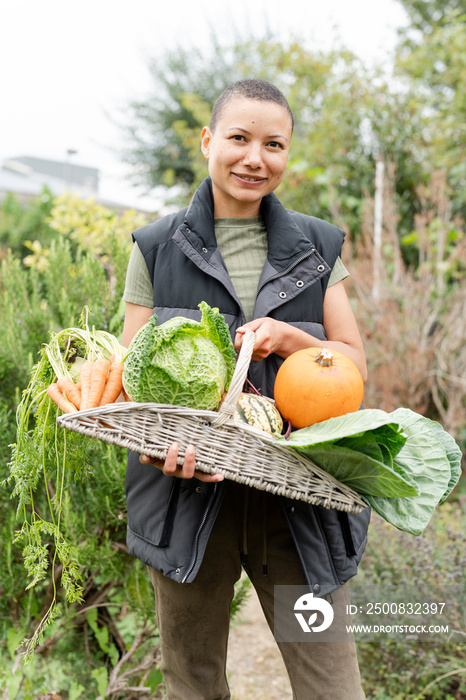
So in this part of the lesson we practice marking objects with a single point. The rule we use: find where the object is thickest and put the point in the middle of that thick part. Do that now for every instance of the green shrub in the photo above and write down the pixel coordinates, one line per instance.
(399, 669)
(78, 653)
(19, 224)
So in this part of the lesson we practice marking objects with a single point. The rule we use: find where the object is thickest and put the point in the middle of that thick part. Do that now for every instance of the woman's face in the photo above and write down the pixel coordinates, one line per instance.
(247, 154)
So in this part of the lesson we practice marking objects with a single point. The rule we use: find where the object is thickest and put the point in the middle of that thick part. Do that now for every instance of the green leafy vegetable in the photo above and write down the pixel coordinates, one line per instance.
(402, 463)
(360, 471)
(453, 455)
(358, 450)
(383, 442)
(425, 458)
(181, 362)
(348, 425)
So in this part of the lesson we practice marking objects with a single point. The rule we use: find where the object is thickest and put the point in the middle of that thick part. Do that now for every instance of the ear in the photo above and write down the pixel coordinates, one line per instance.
(206, 138)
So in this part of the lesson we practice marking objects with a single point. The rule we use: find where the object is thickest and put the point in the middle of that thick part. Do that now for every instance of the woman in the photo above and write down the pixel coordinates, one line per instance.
(278, 273)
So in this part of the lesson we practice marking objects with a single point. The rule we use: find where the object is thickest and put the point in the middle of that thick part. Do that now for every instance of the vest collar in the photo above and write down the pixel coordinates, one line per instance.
(283, 233)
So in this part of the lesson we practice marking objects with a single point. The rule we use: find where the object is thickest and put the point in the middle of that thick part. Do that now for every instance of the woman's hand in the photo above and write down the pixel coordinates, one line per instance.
(269, 336)
(185, 471)
(283, 339)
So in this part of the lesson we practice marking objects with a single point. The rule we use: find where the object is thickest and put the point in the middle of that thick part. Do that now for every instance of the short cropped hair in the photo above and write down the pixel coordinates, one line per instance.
(252, 89)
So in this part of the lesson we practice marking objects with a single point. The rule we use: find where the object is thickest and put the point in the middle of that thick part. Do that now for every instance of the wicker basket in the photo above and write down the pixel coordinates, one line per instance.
(223, 445)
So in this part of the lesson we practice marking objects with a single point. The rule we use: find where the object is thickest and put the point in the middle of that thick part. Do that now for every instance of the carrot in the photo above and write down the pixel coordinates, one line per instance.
(114, 383)
(98, 379)
(70, 391)
(85, 378)
(77, 397)
(55, 394)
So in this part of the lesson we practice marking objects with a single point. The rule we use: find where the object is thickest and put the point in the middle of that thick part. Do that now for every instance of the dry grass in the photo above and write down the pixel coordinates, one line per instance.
(414, 329)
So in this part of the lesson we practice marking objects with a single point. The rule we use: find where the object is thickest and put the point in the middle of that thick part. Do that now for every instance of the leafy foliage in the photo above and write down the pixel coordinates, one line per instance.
(83, 562)
(432, 57)
(399, 668)
(20, 226)
(67, 583)
(404, 466)
(347, 115)
(415, 329)
(427, 15)
(424, 459)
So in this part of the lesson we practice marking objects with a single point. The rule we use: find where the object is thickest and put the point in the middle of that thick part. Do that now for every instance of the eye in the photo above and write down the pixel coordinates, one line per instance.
(275, 144)
(238, 137)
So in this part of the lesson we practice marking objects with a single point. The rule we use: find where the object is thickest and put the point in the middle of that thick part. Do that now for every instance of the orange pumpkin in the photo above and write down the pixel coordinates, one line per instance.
(315, 384)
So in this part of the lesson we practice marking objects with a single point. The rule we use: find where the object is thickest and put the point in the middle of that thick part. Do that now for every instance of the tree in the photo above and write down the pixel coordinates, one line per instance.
(186, 82)
(427, 15)
(347, 115)
(331, 94)
(432, 56)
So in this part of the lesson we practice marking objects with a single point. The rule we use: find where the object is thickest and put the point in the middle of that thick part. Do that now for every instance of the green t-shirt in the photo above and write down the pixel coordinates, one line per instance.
(243, 245)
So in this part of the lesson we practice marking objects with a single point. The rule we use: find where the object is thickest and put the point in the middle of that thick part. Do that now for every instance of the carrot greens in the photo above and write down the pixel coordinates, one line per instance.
(46, 459)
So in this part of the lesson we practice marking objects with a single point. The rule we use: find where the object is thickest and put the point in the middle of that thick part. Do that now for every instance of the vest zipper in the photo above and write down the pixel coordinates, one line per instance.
(198, 534)
(219, 279)
(284, 272)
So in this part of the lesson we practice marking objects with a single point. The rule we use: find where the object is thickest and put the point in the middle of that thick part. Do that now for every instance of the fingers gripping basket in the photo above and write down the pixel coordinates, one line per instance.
(223, 445)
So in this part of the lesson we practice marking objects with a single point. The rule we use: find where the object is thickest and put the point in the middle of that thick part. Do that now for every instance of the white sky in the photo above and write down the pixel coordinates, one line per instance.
(64, 64)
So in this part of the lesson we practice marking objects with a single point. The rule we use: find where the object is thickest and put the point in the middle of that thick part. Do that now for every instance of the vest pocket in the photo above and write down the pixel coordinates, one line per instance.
(346, 532)
(152, 500)
(165, 535)
(354, 530)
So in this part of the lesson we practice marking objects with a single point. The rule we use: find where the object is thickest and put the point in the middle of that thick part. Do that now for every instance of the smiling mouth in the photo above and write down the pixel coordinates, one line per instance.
(249, 178)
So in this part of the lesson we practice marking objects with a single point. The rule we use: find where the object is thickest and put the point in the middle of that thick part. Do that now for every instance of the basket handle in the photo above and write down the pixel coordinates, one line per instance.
(227, 409)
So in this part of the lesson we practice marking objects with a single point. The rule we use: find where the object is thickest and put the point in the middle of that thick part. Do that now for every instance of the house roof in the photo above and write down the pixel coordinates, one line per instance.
(77, 175)
(18, 184)
(26, 176)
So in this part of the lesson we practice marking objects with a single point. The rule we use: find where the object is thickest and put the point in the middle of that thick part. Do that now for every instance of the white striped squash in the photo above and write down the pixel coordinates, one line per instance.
(259, 412)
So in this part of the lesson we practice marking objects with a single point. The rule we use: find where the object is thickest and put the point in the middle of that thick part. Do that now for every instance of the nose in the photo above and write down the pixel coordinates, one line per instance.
(253, 156)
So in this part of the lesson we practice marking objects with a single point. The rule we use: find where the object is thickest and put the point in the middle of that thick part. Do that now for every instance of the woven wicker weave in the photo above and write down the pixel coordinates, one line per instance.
(223, 445)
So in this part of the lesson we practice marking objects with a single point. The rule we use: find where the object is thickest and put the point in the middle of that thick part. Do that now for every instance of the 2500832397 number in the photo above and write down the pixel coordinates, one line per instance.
(416, 608)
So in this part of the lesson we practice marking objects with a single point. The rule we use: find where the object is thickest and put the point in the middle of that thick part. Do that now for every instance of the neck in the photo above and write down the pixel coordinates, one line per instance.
(230, 208)
(236, 212)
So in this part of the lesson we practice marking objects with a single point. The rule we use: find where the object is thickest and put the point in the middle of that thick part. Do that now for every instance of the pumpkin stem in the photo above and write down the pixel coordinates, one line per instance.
(324, 358)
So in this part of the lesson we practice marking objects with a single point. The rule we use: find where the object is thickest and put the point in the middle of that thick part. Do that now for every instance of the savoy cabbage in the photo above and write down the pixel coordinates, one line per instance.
(181, 362)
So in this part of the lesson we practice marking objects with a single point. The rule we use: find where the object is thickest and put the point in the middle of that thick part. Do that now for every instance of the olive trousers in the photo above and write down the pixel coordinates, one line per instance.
(194, 618)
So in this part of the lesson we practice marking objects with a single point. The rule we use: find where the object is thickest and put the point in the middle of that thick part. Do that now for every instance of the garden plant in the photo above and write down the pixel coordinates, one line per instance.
(59, 256)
